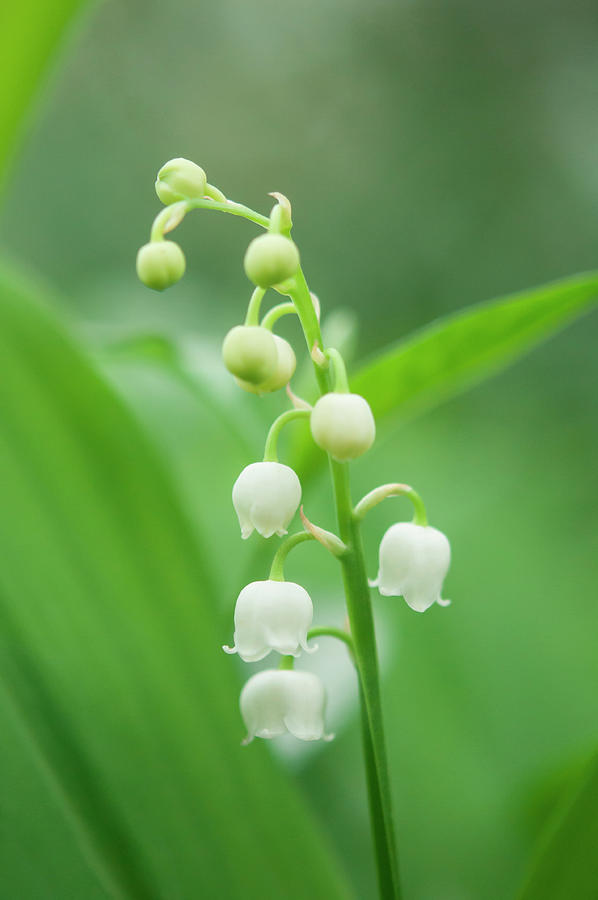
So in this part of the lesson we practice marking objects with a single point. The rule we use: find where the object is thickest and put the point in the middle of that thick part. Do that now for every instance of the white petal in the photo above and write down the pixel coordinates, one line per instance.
(414, 560)
(275, 701)
(272, 615)
(306, 700)
(417, 601)
(246, 531)
(262, 705)
(266, 496)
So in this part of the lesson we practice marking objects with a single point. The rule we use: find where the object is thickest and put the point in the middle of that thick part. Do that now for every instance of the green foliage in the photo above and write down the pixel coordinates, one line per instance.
(470, 718)
(567, 863)
(29, 34)
(461, 349)
(111, 646)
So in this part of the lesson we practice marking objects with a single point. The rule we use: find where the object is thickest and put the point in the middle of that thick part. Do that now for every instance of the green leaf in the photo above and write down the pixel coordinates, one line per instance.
(567, 863)
(30, 32)
(461, 350)
(32, 826)
(110, 648)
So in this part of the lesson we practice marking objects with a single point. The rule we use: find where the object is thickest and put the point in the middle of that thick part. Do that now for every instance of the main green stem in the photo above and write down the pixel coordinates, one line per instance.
(357, 594)
(359, 610)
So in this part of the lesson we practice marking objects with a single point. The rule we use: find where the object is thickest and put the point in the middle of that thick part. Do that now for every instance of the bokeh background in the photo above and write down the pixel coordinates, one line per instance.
(436, 154)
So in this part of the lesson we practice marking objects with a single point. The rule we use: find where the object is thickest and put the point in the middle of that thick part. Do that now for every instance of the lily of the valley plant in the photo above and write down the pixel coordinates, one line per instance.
(274, 616)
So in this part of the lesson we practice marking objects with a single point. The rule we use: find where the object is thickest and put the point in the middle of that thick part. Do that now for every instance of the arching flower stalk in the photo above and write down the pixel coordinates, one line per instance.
(273, 615)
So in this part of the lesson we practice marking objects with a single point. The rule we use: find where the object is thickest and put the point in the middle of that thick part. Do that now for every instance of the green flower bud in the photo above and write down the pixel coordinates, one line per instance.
(284, 371)
(249, 352)
(180, 179)
(160, 264)
(271, 259)
(343, 425)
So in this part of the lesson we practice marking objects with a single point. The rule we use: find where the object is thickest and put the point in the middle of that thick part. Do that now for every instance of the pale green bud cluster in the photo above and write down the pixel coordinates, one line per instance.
(160, 264)
(180, 179)
(286, 363)
(271, 259)
(249, 353)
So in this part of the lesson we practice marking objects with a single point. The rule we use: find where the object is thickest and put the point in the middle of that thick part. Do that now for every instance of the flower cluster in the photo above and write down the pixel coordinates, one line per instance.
(274, 615)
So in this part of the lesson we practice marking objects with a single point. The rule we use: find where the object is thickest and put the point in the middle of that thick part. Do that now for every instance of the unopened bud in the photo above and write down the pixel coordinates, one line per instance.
(343, 425)
(180, 179)
(271, 259)
(160, 264)
(285, 369)
(249, 352)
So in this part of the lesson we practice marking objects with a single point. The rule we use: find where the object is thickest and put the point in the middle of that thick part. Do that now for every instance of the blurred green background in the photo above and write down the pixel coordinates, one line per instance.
(436, 154)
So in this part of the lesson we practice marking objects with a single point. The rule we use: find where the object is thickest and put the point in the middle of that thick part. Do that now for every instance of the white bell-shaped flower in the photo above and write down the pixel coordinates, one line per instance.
(414, 560)
(277, 701)
(266, 496)
(272, 615)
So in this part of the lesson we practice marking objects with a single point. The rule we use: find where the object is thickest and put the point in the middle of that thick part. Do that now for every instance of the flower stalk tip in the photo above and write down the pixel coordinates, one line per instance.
(327, 539)
(383, 492)
(271, 447)
(298, 402)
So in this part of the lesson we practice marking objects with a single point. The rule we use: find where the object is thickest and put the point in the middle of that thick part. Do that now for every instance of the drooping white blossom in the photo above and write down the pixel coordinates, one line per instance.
(266, 496)
(414, 560)
(276, 701)
(272, 615)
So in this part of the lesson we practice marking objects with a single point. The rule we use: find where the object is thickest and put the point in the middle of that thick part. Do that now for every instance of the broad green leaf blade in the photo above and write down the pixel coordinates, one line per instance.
(190, 414)
(110, 647)
(567, 864)
(460, 350)
(30, 32)
(32, 826)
